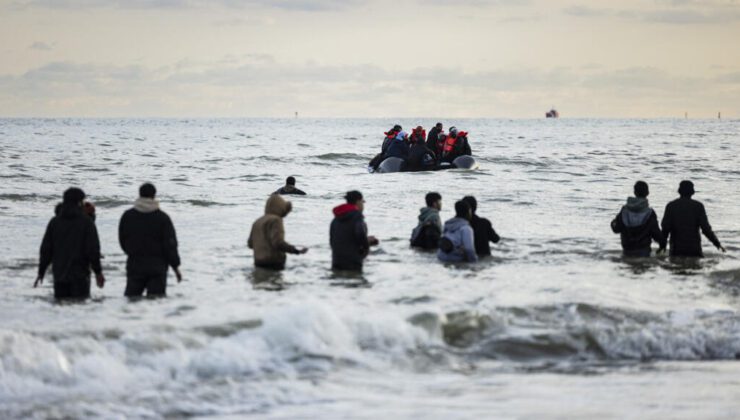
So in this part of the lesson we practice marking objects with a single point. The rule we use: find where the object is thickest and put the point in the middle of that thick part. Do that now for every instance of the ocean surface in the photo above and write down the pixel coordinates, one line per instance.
(555, 325)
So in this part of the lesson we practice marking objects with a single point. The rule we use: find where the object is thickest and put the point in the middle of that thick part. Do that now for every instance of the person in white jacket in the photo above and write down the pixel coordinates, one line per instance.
(458, 243)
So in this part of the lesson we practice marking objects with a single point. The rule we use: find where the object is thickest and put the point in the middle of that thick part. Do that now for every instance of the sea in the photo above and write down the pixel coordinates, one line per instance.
(556, 324)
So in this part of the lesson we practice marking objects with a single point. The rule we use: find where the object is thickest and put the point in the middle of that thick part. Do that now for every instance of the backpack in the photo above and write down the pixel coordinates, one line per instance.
(425, 236)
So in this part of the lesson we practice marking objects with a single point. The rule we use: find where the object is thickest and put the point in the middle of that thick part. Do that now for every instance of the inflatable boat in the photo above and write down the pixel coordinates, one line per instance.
(394, 164)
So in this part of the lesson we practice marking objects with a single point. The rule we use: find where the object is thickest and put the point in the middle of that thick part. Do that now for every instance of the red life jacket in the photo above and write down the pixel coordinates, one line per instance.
(449, 145)
(451, 142)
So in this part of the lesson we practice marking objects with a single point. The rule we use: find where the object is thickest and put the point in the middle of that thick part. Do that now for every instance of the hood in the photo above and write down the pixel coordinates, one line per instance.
(636, 212)
(277, 206)
(344, 209)
(426, 213)
(146, 205)
(456, 223)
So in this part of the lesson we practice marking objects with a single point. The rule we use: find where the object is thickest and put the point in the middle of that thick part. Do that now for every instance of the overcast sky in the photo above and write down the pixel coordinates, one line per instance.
(357, 58)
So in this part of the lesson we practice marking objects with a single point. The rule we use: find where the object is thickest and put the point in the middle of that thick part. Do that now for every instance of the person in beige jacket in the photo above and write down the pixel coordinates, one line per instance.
(267, 238)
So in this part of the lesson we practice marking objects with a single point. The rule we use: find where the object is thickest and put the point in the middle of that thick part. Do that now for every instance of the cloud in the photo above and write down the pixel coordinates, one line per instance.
(40, 46)
(297, 5)
(258, 85)
(679, 12)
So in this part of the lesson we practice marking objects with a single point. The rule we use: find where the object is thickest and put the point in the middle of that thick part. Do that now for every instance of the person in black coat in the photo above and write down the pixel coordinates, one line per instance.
(433, 136)
(148, 238)
(289, 188)
(420, 158)
(682, 220)
(482, 229)
(637, 224)
(348, 237)
(72, 247)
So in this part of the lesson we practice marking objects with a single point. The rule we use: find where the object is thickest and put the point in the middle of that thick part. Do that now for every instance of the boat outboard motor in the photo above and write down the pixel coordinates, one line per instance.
(392, 164)
(465, 162)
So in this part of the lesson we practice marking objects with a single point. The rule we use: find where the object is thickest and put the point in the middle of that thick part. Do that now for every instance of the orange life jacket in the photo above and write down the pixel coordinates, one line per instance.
(449, 145)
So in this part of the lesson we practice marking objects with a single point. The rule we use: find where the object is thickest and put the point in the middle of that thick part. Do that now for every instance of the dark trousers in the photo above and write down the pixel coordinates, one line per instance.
(270, 266)
(644, 252)
(154, 282)
(76, 289)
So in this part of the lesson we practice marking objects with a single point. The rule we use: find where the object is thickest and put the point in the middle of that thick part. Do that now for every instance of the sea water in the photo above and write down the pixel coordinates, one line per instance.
(555, 324)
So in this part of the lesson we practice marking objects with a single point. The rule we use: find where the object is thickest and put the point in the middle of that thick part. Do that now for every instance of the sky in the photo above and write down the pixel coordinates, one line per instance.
(369, 58)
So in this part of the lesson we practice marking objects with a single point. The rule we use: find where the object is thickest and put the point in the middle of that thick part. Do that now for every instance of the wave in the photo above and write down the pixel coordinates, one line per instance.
(582, 332)
(340, 156)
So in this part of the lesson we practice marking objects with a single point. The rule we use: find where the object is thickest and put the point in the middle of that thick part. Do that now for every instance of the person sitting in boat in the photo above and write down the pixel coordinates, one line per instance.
(421, 158)
(434, 136)
(418, 135)
(399, 146)
(390, 135)
(455, 145)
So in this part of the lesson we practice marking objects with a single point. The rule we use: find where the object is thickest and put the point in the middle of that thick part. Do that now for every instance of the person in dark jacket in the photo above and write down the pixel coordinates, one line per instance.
(420, 158)
(348, 237)
(72, 247)
(682, 220)
(482, 229)
(433, 136)
(637, 224)
(399, 147)
(390, 136)
(289, 188)
(427, 232)
(148, 238)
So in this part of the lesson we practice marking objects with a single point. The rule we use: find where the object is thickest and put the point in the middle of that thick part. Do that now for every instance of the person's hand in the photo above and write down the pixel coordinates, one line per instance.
(721, 248)
(100, 280)
(302, 250)
(178, 274)
(38, 281)
(372, 240)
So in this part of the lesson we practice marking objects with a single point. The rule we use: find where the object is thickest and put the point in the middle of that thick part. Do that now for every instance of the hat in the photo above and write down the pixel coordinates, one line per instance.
(686, 188)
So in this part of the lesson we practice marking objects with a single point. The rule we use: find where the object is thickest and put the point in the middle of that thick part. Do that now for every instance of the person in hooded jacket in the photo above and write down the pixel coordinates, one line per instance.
(458, 241)
(682, 220)
(427, 232)
(637, 224)
(482, 229)
(348, 237)
(147, 236)
(399, 146)
(72, 247)
(267, 237)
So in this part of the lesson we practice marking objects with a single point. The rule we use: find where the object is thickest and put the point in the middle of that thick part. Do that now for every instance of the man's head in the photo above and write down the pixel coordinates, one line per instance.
(472, 202)
(453, 131)
(355, 197)
(290, 181)
(73, 196)
(641, 189)
(462, 210)
(439, 126)
(686, 188)
(434, 200)
(397, 127)
(147, 191)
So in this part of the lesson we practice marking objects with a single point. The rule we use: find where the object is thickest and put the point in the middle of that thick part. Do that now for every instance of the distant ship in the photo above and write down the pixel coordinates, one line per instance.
(553, 113)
